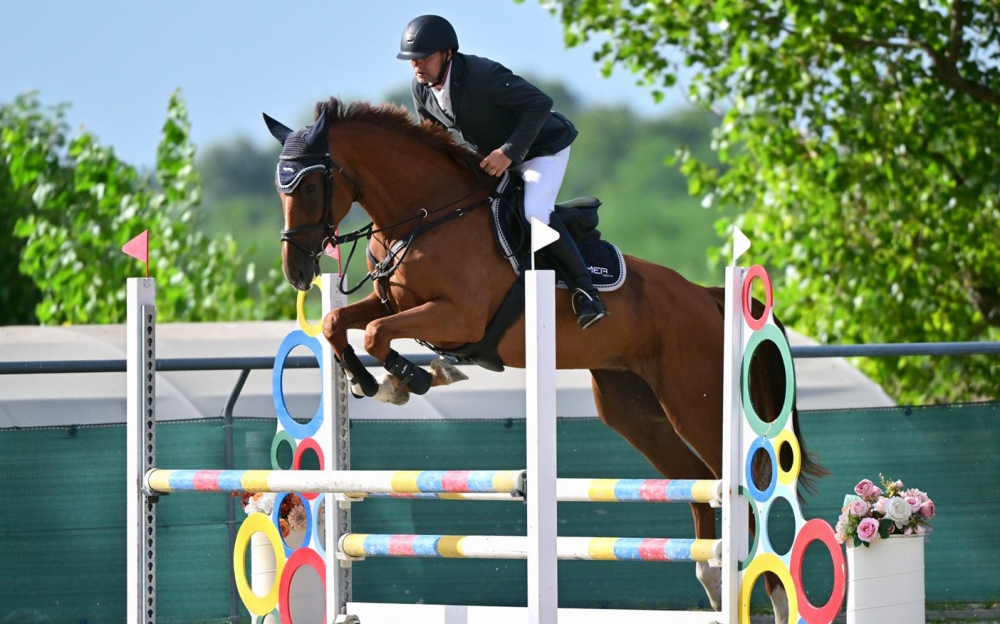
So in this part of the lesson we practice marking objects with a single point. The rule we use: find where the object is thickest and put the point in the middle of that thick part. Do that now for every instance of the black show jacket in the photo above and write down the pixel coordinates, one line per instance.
(494, 108)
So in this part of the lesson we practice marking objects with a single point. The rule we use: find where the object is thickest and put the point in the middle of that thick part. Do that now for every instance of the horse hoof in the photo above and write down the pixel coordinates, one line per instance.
(389, 391)
(711, 578)
(445, 373)
(779, 602)
(357, 392)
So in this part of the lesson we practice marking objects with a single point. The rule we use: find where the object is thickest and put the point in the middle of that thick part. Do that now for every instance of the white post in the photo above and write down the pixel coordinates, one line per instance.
(540, 383)
(336, 444)
(140, 432)
(734, 513)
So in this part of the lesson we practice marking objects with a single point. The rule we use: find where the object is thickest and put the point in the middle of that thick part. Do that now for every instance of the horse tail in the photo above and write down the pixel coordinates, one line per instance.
(767, 381)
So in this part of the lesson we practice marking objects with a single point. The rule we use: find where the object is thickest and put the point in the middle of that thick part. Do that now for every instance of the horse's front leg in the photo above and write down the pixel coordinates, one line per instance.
(335, 325)
(438, 321)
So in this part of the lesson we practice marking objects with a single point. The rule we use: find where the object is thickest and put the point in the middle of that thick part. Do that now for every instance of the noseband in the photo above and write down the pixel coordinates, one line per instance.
(326, 224)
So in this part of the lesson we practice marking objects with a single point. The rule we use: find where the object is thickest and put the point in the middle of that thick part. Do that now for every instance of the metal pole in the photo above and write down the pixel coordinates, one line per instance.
(227, 435)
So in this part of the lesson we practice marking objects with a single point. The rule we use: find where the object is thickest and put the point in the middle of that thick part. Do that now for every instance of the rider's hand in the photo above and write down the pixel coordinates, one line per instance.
(495, 164)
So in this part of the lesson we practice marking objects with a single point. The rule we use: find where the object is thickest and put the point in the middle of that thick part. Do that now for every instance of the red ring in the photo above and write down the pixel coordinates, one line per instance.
(817, 529)
(299, 558)
(759, 272)
(307, 443)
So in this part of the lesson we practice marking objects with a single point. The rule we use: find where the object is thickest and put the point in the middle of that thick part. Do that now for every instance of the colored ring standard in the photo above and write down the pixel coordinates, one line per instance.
(257, 523)
(772, 333)
(756, 522)
(755, 492)
(813, 530)
(279, 437)
(301, 557)
(294, 339)
(305, 445)
(786, 477)
(758, 272)
(300, 311)
(767, 562)
(276, 518)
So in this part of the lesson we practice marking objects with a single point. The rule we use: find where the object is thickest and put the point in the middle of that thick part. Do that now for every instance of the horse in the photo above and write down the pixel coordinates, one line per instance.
(656, 360)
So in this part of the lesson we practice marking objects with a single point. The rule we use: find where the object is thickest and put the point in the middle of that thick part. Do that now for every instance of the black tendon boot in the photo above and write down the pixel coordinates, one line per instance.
(586, 300)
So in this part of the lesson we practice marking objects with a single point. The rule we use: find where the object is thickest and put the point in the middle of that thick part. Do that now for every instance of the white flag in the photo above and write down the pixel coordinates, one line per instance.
(740, 244)
(541, 235)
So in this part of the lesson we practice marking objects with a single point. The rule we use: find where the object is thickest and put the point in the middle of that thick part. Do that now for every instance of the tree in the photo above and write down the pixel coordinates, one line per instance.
(862, 138)
(75, 205)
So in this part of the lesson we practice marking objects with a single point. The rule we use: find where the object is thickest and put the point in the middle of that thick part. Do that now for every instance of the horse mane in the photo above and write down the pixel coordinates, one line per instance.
(398, 119)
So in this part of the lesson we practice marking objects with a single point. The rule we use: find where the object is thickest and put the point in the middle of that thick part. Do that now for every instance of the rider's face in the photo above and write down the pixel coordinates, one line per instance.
(430, 69)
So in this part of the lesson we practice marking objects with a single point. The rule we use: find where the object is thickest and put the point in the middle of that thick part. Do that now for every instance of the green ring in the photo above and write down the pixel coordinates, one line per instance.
(743, 563)
(279, 437)
(772, 429)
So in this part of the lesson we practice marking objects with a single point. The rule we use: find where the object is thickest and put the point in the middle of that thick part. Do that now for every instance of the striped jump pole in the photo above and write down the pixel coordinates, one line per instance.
(337, 482)
(601, 491)
(360, 545)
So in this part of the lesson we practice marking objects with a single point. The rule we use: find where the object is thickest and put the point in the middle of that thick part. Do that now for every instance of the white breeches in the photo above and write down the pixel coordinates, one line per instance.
(543, 176)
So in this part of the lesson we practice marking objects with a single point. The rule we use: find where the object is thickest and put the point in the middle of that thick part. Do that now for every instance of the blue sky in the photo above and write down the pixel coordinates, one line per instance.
(117, 62)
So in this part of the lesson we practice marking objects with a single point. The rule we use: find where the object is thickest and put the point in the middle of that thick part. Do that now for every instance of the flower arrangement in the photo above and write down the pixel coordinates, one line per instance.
(291, 515)
(875, 512)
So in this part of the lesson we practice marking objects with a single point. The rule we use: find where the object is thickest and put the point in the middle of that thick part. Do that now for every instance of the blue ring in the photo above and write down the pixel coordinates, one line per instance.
(294, 339)
(275, 517)
(319, 546)
(752, 489)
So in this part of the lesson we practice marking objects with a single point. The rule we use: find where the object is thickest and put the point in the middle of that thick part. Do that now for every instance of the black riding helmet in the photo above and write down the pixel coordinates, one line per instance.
(426, 35)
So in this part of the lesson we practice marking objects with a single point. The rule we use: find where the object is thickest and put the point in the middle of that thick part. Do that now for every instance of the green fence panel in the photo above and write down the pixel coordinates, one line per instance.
(63, 490)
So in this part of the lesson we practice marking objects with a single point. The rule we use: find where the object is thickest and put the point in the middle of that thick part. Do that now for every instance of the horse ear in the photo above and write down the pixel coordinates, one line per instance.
(317, 134)
(278, 130)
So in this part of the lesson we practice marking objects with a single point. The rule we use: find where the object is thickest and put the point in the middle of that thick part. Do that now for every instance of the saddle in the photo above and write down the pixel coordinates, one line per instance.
(513, 237)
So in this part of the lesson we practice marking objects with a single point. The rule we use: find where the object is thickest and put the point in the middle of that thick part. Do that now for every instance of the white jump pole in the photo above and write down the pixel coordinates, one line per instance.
(540, 387)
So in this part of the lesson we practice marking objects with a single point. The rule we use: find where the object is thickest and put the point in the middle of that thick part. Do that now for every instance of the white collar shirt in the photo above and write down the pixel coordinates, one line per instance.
(443, 95)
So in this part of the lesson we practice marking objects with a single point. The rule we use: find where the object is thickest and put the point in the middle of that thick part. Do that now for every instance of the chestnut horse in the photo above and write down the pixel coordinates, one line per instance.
(656, 359)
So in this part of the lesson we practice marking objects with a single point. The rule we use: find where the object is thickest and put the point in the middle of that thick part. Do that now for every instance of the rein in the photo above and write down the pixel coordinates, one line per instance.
(391, 263)
(383, 269)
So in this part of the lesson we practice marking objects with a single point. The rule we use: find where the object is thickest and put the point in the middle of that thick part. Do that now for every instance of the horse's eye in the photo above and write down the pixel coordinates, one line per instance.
(310, 188)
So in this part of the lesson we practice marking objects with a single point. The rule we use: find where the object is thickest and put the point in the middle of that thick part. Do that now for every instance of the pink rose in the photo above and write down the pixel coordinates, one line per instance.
(880, 504)
(927, 509)
(866, 489)
(868, 529)
(914, 503)
(859, 508)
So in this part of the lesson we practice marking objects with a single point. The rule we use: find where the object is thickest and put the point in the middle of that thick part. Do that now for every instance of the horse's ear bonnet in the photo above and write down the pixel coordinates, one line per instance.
(304, 151)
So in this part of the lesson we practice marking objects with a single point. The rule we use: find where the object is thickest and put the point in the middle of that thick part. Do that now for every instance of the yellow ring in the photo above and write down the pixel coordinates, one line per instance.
(258, 523)
(300, 311)
(784, 477)
(767, 562)
(762, 563)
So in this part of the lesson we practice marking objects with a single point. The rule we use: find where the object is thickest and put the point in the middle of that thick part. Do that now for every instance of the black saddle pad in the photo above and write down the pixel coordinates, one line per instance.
(605, 261)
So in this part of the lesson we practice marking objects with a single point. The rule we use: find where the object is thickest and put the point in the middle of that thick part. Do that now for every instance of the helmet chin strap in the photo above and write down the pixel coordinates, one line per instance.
(442, 73)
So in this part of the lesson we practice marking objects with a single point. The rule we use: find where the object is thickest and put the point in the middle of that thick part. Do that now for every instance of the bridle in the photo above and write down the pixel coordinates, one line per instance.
(326, 223)
(331, 237)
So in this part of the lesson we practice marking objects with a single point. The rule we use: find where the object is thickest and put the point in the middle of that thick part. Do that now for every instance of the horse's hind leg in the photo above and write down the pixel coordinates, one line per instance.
(626, 403)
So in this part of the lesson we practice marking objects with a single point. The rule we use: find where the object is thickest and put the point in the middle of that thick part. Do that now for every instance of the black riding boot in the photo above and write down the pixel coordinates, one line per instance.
(586, 300)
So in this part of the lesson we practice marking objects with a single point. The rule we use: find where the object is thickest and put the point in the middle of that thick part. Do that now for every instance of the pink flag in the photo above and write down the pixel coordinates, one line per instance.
(138, 248)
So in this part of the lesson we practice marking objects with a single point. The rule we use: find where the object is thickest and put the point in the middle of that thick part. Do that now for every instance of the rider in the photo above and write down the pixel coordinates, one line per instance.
(509, 121)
